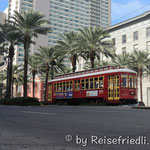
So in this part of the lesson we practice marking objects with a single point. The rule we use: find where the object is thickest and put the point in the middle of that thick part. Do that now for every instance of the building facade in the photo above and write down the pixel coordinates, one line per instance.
(2, 21)
(134, 34)
(2, 17)
(100, 13)
(64, 16)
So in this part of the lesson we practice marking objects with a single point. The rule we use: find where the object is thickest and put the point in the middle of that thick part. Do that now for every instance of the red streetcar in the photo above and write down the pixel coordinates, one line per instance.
(109, 84)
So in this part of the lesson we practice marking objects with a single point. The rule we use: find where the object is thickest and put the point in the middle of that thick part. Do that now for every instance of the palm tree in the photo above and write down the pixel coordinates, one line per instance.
(33, 68)
(3, 49)
(122, 60)
(97, 64)
(140, 61)
(30, 24)
(17, 77)
(59, 66)
(46, 58)
(93, 42)
(10, 35)
(2, 84)
(68, 44)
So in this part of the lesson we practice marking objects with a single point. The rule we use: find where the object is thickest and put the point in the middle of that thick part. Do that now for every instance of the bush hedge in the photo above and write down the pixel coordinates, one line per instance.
(45, 103)
(21, 101)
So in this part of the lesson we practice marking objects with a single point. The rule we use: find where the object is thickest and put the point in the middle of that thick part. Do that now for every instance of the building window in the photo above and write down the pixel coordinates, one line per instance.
(123, 39)
(123, 50)
(148, 45)
(114, 41)
(135, 36)
(135, 47)
(148, 32)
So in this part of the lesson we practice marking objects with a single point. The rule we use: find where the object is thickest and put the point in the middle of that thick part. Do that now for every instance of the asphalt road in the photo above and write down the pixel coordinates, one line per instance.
(74, 128)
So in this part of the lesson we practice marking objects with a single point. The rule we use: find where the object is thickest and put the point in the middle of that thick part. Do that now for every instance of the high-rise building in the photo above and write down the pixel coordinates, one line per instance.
(64, 16)
(100, 13)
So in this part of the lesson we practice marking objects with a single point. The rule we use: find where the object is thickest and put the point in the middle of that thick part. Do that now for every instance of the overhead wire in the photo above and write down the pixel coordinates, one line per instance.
(131, 13)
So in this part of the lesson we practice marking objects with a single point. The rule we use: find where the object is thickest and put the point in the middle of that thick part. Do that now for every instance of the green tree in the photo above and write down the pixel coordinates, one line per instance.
(123, 60)
(3, 50)
(98, 64)
(49, 61)
(30, 24)
(2, 84)
(9, 35)
(93, 41)
(33, 69)
(69, 45)
(140, 61)
(17, 77)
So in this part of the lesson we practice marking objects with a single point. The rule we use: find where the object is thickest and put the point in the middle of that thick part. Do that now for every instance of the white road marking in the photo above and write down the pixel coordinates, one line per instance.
(41, 113)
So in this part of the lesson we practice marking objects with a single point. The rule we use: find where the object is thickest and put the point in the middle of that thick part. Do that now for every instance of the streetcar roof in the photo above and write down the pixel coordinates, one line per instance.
(94, 73)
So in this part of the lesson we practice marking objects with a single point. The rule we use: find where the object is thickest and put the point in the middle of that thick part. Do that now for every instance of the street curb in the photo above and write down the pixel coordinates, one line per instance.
(141, 107)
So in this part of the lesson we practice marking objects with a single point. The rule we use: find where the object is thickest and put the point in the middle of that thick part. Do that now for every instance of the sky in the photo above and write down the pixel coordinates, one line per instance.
(121, 10)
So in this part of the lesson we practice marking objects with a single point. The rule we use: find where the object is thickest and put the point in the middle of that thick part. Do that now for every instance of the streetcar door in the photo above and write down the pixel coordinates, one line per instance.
(113, 87)
(50, 92)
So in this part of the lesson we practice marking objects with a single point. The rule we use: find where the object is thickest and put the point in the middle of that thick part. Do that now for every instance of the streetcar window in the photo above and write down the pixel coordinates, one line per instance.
(87, 83)
(60, 87)
(135, 82)
(82, 84)
(91, 83)
(101, 82)
(54, 87)
(131, 81)
(71, 85)
(96, 83)
(77, 85)
(67, 86)
(117, 80)
(64, 88)
(117, 92)
(57, 87)
(124, 81)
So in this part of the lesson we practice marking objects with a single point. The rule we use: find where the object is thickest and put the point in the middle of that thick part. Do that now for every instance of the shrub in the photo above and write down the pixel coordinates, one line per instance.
(21, 101)
(45, 103)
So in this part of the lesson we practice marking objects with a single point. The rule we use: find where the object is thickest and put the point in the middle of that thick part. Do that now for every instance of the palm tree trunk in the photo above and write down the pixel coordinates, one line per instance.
(9, 71)
(26, 48)
(33, 76)
(74, 59)
(9, 79)
(46, 80)
(92, 58)
(12, 89)
(141, 90)
(16, 89)
(1, 86)
(52, 72)
(92, 64)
